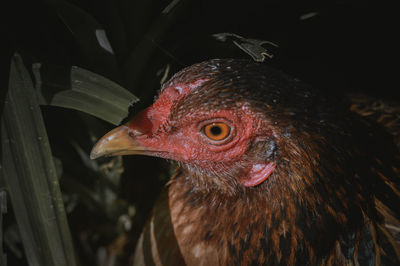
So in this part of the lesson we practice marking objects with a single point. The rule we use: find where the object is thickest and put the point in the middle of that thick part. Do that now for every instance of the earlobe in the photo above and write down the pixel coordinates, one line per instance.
(258, 174)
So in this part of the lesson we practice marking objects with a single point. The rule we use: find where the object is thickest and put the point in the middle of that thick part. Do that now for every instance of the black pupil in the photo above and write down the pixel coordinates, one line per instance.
(216, 130)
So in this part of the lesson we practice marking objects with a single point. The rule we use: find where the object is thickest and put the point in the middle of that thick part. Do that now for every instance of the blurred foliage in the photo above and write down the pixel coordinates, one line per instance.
(82, 90)
(3, 210)
(252, 47)
(30, 175)
(337, 46)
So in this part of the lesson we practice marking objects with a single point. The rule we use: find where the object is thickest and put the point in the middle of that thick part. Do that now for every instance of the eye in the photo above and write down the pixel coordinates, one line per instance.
(217, 131)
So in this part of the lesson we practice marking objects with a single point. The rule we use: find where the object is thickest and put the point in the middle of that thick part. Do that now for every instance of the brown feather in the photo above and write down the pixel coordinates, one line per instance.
(334, 189)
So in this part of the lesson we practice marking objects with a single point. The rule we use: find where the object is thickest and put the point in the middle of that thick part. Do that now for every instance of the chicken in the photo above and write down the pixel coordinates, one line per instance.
(270, 172)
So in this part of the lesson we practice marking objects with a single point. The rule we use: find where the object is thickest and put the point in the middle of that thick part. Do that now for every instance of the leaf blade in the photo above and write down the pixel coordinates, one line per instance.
(82, 90)
(30, 175)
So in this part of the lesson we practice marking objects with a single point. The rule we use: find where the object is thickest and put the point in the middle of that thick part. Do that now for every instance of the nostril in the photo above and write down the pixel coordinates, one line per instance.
(133, 132)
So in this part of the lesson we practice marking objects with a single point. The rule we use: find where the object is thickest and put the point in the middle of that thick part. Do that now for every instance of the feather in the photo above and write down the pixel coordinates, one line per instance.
(331, 198)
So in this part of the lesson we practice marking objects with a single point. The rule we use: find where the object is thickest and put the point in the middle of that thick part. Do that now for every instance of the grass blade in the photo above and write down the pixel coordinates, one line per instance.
(30, 175)
(82, 90)
(252, 47)
(138, 60)
(91, 39)
(3, 209)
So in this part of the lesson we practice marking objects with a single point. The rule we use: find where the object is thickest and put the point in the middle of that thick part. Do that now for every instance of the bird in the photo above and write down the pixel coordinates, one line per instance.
(270, 171)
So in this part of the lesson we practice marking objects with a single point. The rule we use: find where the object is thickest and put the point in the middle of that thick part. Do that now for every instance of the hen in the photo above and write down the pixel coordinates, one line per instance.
(271, 172)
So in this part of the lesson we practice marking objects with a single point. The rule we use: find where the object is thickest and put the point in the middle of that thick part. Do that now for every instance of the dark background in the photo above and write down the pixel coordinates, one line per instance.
(344, 47)
(350, 43)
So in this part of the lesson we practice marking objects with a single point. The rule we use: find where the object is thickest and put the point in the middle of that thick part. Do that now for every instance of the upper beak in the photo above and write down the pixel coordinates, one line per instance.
(117, 142)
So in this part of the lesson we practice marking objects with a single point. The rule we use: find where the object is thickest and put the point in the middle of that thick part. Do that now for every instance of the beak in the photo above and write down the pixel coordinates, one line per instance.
(117, 142)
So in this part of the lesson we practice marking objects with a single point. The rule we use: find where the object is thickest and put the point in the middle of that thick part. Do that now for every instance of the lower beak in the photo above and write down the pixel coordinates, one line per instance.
(117, 142)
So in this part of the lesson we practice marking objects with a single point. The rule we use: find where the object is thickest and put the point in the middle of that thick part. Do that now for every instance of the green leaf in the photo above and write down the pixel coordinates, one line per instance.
(30, 175)
(252, 47)
(82, 90)
(138, 60)
(137, 17)
(91, 39)
(3, 210)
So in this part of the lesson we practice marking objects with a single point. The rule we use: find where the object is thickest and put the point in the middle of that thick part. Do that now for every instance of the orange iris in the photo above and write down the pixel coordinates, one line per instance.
(217, 131)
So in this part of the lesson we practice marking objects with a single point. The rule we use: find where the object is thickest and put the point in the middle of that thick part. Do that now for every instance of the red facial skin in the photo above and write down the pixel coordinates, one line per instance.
(149, 119)
(187, 143)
